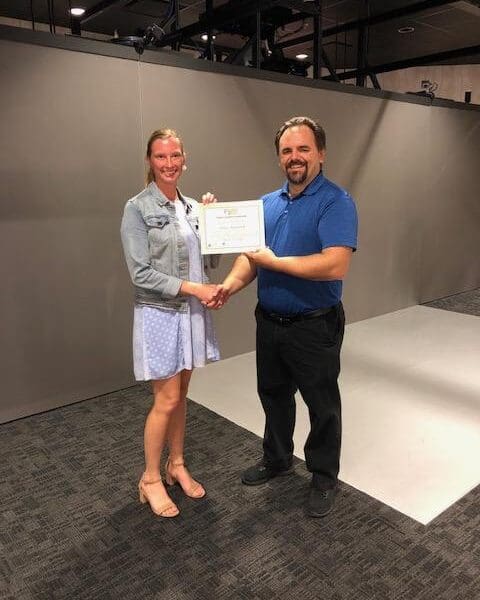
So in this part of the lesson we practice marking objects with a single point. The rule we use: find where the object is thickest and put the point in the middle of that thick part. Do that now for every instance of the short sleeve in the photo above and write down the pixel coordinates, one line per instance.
(338, 222)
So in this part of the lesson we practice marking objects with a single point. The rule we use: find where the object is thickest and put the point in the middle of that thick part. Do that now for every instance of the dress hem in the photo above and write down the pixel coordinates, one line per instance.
(210, 360)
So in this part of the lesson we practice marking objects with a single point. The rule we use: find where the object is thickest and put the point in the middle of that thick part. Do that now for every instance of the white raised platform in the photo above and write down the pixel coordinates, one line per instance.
(410, 387)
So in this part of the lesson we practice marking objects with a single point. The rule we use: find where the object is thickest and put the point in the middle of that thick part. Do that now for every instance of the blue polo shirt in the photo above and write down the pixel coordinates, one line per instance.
(322, 216)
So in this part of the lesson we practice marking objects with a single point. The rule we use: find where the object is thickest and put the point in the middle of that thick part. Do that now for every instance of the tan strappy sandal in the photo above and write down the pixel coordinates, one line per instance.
(162, 509)
(195, 491)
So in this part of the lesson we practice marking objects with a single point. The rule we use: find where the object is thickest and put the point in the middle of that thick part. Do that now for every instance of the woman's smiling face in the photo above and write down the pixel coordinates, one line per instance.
(166, 161)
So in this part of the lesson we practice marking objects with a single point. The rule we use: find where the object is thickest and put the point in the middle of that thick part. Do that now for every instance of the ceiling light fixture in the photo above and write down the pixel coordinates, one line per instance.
(301, 56)
(407, 29)
(205, 37)
(77, 12)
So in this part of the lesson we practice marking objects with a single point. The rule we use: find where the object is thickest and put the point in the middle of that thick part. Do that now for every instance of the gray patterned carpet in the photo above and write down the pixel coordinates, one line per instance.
(71, 526)
(466, 302)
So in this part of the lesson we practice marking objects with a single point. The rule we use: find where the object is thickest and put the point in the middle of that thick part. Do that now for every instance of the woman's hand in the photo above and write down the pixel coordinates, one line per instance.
(208, 198)
(207, 293)
(221, 298)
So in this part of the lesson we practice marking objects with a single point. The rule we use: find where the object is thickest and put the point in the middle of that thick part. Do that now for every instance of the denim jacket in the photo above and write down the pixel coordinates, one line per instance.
(155, 251)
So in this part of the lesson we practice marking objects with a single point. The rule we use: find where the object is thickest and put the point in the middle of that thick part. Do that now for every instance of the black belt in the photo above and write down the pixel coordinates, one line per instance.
(288, 319)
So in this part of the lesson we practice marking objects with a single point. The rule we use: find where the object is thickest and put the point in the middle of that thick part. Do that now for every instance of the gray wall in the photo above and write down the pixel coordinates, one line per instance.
(69, 156)
(451, 219)
(74, 127)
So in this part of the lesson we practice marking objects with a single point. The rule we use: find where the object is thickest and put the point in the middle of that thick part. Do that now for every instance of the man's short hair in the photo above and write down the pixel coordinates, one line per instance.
(318, 131)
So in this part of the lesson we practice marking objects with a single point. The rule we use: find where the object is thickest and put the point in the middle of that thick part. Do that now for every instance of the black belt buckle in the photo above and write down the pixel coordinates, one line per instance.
(320, 312)
(284, 320)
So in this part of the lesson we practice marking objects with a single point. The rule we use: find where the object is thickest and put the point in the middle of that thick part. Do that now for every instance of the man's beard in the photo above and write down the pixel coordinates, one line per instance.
(298, 176)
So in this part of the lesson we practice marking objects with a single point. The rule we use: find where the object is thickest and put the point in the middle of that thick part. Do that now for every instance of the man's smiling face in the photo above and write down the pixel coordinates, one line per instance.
(300, 159)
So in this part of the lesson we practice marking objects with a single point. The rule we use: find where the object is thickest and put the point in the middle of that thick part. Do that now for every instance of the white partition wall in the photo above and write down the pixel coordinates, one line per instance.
(74, 127)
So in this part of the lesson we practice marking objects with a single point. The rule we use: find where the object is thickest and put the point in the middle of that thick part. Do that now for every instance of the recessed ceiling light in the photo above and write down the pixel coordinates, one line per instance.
(77, 12)
(205, 37)
(301, 56)
(407, 29)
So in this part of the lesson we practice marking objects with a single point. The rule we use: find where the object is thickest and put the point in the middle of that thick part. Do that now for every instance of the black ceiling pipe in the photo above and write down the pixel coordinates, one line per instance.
(429, 59)
(362, 45)
(317, 41)
(99, 8)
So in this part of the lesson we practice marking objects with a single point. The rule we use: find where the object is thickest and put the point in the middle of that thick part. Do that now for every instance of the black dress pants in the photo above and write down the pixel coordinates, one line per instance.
(303, 355)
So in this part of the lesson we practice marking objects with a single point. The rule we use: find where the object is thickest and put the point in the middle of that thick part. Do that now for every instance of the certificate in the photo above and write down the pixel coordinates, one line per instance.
(228, 227)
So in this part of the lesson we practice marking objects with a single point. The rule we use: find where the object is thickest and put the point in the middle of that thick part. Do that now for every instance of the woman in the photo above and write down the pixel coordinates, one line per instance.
(172, 331)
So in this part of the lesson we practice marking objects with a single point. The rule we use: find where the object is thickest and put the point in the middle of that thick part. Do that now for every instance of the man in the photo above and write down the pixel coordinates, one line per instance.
(311, 230)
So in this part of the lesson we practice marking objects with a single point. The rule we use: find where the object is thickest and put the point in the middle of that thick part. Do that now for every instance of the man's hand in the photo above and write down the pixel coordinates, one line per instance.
(264, 257)
(220, 299)
(208, 292)
(205, 292)
(243, 272)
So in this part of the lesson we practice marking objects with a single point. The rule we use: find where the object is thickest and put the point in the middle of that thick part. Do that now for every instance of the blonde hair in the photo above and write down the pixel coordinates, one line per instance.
(159, 134)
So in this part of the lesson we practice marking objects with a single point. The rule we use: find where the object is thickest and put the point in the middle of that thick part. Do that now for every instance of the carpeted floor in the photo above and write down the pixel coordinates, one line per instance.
(465, 302)
(71, 526)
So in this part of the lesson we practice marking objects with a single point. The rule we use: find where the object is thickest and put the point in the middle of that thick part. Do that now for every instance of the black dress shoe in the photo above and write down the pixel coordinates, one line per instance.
(259, 474)
(320, 502)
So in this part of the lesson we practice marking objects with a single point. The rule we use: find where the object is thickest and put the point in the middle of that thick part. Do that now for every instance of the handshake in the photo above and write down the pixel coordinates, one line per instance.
(212, 295)
(244, 271)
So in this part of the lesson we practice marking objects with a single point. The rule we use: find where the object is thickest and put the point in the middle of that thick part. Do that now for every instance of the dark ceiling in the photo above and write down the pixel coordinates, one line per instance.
(355, 33)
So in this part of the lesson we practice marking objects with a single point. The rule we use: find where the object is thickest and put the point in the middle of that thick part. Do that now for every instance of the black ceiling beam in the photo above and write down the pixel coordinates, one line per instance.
(374, 80)
(176, 21)
(257, 42)
(328, 64)
(362, 45)
(202, 46)
(429, 59)
(368, 22)
(237, 57)
(318, 51)
(208, 11)
(99, 8)
(300, 6)
(225, 14)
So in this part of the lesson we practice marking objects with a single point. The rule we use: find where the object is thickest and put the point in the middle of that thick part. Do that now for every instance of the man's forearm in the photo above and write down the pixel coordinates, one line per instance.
(329, 265)
(317, 267)
(242, 273)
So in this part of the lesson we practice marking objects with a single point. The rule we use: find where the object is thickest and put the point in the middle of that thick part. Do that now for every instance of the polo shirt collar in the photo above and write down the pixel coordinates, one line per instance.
(311, 189)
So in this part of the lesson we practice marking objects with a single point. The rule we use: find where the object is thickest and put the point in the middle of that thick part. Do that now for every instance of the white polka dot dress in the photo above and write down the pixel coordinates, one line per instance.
(165, 341)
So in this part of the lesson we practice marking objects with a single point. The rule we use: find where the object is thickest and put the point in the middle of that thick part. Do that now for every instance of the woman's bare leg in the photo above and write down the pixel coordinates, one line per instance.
(176, 438)
(166, 400)
(176, 425)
